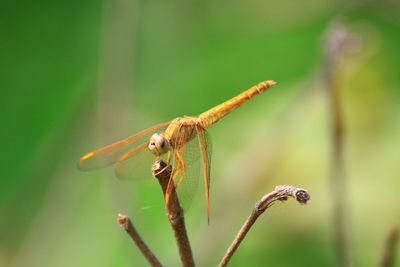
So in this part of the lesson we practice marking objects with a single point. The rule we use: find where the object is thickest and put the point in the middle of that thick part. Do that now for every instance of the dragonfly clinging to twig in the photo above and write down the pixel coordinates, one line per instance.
(183, 142)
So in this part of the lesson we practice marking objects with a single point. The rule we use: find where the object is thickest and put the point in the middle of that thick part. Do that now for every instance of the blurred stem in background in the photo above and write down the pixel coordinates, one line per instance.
(116, 68)
(338, 40)
(389, 248)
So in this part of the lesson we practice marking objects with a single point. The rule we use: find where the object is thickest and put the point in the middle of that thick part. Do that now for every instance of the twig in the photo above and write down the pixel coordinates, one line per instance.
(281, 192)
(388, 256)
(338, 41)
(175, 213)
(126, 223)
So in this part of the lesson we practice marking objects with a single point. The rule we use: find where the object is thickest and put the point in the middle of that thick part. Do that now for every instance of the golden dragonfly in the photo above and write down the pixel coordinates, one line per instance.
(183, 142)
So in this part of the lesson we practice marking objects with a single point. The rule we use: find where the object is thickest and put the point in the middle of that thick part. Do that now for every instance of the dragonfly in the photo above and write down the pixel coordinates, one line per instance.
(183, 143)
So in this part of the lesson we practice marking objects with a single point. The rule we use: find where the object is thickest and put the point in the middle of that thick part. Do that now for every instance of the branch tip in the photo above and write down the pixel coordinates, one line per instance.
(281, 193)
(302, 196)
(122, 219)
(126, 223)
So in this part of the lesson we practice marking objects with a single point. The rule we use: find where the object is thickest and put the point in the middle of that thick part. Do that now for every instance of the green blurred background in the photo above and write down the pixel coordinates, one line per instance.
(77, 75)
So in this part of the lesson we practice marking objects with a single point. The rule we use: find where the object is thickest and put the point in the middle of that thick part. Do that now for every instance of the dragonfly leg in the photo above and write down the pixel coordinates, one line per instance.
(169, 157)
(175, 173)
(182, 165)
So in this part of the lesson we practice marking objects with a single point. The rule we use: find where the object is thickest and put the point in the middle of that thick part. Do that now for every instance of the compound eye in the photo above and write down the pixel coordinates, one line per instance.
(158, 144)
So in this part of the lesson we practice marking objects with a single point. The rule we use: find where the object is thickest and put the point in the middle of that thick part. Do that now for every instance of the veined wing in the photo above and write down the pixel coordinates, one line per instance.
(110, 154)
(187, 180)
(206, 150)
(135, 163)
(188, 162)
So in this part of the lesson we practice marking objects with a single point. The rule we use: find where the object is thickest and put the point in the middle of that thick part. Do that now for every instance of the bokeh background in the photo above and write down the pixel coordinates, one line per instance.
(77, 75)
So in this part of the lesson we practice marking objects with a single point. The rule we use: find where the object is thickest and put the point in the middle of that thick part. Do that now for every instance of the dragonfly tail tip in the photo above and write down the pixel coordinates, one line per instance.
(272, 83)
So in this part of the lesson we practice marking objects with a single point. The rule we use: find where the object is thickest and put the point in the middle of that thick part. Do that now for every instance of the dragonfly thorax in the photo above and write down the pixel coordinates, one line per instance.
(158, 144)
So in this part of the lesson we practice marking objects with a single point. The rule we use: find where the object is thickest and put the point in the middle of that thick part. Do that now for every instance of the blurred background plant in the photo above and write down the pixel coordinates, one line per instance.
(77, 75)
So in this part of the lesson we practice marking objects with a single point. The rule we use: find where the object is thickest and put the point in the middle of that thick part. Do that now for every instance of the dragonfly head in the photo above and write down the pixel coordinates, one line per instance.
(158, 144)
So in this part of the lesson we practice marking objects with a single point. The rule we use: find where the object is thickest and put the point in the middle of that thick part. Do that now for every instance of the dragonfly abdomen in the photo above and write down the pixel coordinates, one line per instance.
(213, 115)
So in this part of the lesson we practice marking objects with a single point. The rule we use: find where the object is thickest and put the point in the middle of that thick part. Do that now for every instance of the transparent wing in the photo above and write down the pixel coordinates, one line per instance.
(110, 154)
(187, 161)
(206, 150)
(135, 163)
(187, 181)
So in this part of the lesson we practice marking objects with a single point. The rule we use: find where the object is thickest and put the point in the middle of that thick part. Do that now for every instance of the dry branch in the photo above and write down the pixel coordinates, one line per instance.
(126, 223)
(281, 192)
(175, 213)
